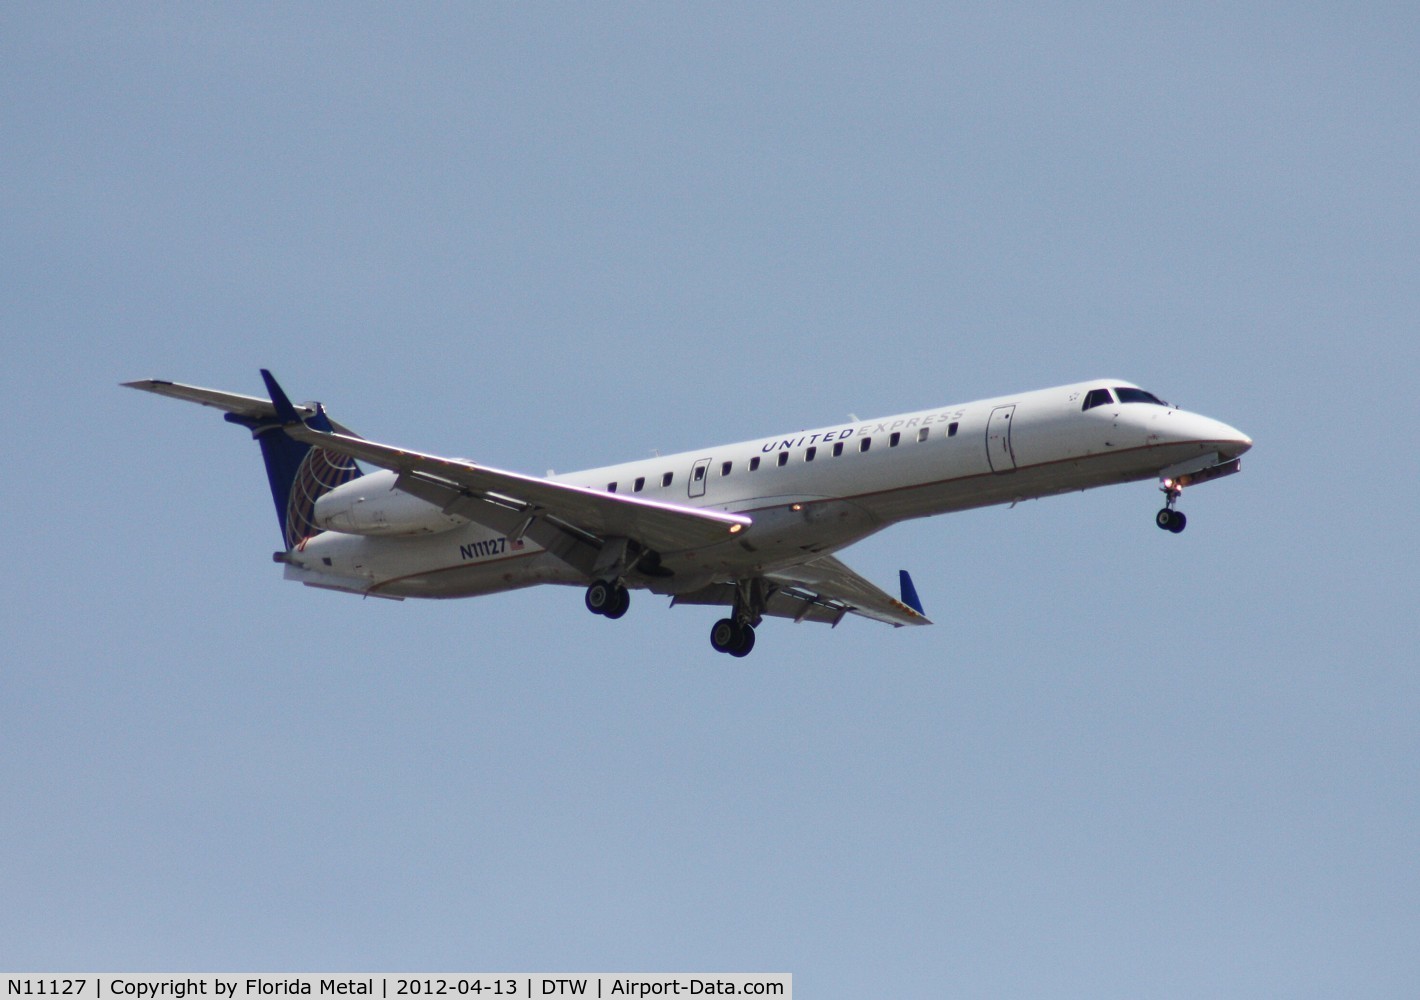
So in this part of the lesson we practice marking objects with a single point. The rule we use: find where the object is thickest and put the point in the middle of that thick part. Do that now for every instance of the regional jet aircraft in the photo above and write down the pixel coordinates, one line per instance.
(752, 527)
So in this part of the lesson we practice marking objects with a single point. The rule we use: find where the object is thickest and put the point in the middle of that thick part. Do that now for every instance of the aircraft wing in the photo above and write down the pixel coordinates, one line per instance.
(663, 527)
(829, 579)
(823, 590)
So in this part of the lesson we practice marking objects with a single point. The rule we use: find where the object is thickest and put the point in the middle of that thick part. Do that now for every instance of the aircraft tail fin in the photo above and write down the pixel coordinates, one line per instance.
(298, 473)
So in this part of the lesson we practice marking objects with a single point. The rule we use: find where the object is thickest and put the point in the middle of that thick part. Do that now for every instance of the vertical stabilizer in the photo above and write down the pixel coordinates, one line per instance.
(297, 472)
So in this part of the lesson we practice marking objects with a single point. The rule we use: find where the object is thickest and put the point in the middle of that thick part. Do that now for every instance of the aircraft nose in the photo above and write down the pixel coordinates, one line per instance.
(1180, 426)
(1234, 441)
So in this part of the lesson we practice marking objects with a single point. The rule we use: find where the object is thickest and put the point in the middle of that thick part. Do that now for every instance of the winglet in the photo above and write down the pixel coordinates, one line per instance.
(285, 411)
(909, 592)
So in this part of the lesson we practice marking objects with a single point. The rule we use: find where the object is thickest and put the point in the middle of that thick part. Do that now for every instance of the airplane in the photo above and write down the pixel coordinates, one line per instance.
(752, 527)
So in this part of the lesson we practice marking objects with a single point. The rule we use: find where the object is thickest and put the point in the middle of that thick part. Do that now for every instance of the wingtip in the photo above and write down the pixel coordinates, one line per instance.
(909, 592)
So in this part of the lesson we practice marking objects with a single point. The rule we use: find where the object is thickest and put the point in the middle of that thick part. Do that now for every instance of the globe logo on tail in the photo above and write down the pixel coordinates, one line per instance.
(320, 472)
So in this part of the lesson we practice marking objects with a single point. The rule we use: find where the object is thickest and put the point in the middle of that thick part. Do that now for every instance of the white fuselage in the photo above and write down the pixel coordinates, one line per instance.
(809, 493)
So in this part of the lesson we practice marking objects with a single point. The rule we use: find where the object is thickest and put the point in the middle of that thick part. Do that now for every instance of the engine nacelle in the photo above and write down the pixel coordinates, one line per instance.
(371, 505)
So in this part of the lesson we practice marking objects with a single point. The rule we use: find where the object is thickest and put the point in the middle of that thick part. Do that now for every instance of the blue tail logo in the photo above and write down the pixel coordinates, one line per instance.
(299, 474)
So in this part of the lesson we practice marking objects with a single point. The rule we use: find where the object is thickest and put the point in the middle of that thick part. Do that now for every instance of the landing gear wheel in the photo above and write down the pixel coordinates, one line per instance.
(1171, 520)
(622, 602)
(607, 599)
(729, 636)
(724, 635)
(746, 642)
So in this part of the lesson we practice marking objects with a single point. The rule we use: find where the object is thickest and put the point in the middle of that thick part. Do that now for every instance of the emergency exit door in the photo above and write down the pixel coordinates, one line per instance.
(998, 439)
(698, 475)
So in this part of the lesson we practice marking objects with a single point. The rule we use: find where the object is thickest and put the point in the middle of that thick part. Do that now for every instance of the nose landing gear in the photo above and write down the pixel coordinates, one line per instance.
(1168, 518)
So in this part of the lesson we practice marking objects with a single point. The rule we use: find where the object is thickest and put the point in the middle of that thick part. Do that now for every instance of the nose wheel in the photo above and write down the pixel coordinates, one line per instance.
(1168, 518)
(1171, 520)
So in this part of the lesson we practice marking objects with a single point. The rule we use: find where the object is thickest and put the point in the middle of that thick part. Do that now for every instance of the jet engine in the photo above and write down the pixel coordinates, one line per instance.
(371, 505)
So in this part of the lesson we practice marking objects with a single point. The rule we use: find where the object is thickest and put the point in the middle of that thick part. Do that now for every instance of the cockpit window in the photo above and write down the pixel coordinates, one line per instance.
(1097, 397)
(1128, 395)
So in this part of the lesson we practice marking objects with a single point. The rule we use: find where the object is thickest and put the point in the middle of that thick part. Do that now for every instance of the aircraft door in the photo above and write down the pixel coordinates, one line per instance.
(998, 439)
(698, 475)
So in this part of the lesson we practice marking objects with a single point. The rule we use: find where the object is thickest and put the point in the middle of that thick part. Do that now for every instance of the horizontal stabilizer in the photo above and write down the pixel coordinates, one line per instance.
(252, 407)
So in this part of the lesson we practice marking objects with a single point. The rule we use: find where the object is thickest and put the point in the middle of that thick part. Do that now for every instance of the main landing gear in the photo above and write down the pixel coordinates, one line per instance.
(608, 598)
(730, 636)
(735, 634)
(1168, 518)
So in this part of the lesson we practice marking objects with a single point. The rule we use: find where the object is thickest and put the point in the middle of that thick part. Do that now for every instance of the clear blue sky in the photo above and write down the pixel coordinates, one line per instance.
(1122, 764)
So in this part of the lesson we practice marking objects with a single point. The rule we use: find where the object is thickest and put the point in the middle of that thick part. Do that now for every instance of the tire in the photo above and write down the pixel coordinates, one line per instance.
(1179, 522)
(621, 600)
(1164, 519)
(746, 642)
(724, 635)
(601, 597)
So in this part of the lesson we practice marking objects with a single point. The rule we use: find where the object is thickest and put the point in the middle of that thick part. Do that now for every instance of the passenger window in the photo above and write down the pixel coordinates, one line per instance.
(837, 449)
(611, 487)
(725, 469)
(809, 454)
(922, 435)
(699, 473)
(639, 485)
(1097, 397)
(952, 429)
(865, 444)
(894, 439)
(666, 479)
(754, 463)
(783, 458)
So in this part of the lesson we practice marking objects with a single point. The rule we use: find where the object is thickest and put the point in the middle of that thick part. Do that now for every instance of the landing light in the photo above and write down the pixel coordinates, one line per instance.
(735, 529)
(797, 506)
